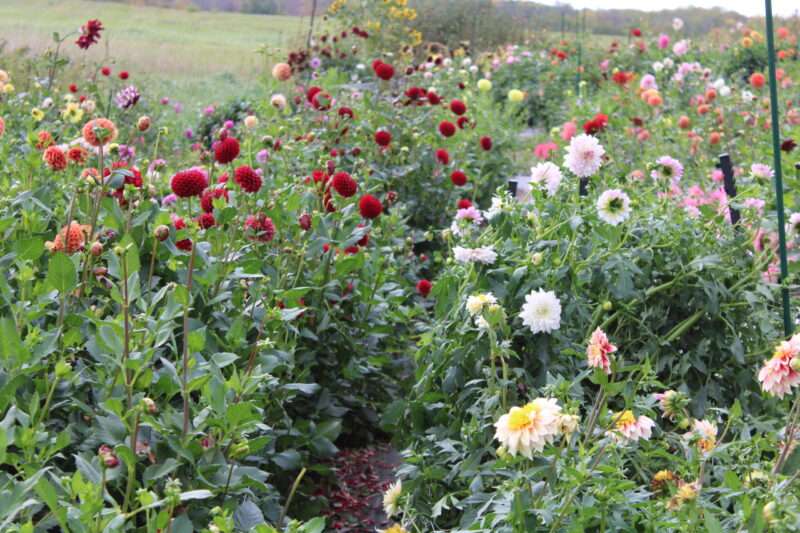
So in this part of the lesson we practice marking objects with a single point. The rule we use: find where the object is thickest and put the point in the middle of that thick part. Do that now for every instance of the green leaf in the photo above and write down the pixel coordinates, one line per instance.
(29, 249)
(61, 273)
(10, 343)
(48, 494)
(196, 495)
(315, 525)
(223, 359)
(712, 524)
(158, 471)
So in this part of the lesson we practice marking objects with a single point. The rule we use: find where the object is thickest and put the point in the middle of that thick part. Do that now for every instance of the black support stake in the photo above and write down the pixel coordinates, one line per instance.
(726, 167)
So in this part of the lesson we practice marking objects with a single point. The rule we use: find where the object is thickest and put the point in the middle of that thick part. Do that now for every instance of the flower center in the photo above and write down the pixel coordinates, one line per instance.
(625, 419)
(615, 205)
(521, 417)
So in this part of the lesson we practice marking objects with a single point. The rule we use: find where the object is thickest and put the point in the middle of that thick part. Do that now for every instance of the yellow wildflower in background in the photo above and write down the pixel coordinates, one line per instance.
(37, 114)
(72, 112)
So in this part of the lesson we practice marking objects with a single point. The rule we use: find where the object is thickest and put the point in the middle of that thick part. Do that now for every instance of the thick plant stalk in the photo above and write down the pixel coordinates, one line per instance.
(185, 362)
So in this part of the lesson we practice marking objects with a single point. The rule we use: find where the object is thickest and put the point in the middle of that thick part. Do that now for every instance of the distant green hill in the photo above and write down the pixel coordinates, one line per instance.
(699, 21)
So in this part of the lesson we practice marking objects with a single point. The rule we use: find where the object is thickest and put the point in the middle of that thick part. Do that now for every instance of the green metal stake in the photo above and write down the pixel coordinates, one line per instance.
(776, 153)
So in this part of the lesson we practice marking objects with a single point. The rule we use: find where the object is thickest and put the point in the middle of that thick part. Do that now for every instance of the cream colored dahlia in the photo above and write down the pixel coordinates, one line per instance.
(529, 428)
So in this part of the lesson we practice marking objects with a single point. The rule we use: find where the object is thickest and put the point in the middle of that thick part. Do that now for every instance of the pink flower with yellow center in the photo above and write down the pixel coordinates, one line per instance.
(627, 427)
(777, 376)
(598, 350)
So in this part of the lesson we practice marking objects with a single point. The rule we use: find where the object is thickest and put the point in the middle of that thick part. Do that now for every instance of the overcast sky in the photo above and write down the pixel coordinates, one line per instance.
(746, 7)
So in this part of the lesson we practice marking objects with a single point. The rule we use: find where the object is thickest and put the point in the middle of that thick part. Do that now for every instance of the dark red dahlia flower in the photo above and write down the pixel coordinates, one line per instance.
(187, 183)
(447, 129)
(226, 150)
(90, 34)
(206, 220)
(486, 143)
(442, 156)
(208, 197)
(458, 178)
(344, 184)
(247, 178)
(370, 207)
(458, 107)
(424, 287)
(383, 70)
(260, 226)
(383, 138)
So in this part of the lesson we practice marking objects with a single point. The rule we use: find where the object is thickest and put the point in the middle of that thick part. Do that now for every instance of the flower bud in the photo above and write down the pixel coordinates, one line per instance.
(608, 306)
(96, 249)
(162, 232)
(537, 258)
(143, 124)
(149, 405)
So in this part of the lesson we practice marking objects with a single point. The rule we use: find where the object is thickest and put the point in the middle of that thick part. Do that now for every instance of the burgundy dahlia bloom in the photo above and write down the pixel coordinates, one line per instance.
(458, 178)
(208, 197)
(262, 227)
(206, 220)
(424, 287)
(447, 128)
(247, 178)
(383, 138)
(370, 207)
(226, 150)
(383, 70)
(344, 184)
(187, 183)
(90, 34)
(458, 107)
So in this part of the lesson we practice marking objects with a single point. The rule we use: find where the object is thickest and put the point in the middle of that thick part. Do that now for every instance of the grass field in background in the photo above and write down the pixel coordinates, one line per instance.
(196, 54)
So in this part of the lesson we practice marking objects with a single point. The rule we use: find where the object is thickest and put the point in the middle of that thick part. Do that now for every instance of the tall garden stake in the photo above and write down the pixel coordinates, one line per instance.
(776, 154)
(726, 167)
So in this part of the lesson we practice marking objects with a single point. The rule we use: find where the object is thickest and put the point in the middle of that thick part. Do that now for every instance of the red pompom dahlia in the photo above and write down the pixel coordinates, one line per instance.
(247, 178)
(226, 150)
(370, 207)
(190, 182)
(344, 184)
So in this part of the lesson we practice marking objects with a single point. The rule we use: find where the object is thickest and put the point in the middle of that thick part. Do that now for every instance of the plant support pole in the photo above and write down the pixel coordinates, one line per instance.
(776, 154)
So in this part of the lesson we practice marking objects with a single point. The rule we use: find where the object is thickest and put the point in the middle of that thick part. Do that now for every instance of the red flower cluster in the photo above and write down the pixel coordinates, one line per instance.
(262, 226)
(187, 183)
(383, 70)
(458, 107)
(206, 220)
(447, 128)
(370, 207)
(596, 125)
(208, 197)
(622, 77)
(424, 287)
(383, 138)
(344, 184)
(90, 34)
(55, 158)
(486, 143)
(247, 178)
(458, 178)
(226, 150)
(442, 156)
